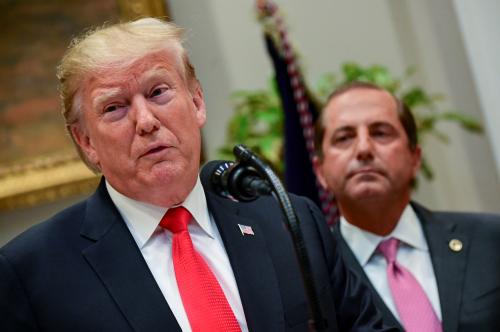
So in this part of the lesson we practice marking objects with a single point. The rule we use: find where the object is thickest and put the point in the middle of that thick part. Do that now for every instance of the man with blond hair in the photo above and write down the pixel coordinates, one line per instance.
(151, 249)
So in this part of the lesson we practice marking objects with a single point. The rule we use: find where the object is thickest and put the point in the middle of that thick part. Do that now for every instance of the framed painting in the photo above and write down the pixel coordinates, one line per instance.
(38, 162)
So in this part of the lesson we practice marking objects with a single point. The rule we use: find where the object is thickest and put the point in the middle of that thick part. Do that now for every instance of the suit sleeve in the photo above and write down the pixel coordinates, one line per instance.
(355, 310)
(15, 311)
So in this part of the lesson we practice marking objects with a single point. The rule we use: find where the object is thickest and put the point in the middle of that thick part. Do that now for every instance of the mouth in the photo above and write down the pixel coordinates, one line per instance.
(154, 150)
(365, 171)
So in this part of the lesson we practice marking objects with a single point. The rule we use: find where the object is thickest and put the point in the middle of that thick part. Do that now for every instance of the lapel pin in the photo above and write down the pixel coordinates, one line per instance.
(246, 230)
(456, 245)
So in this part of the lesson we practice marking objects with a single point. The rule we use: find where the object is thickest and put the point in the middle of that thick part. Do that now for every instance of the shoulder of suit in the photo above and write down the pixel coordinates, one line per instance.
(42, 235)
(473, 220)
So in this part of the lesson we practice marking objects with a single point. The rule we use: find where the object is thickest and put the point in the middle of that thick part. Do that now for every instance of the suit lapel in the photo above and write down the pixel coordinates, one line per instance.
(449, 266)
(353, 264)
(252, 266)
(117, 261)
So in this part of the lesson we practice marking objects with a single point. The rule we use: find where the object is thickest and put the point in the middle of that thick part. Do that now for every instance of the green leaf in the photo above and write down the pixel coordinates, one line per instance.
(440, 136)
(351, 71)
(416, 97)
(325, 86)
(468, 123)
(426, 169)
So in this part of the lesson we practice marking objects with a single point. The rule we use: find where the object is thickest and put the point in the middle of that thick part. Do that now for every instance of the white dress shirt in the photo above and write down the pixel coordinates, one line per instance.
(155, 244)
(413, 254)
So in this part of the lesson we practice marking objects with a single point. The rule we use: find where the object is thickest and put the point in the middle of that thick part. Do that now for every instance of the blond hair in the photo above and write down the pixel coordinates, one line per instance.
(111, 46)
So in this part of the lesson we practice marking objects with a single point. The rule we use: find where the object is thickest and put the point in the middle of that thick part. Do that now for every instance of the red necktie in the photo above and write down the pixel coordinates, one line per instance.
(203, 299)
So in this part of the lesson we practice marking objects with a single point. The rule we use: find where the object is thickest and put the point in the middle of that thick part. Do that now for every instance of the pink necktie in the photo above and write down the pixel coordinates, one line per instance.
(203, 299)
(414, 308)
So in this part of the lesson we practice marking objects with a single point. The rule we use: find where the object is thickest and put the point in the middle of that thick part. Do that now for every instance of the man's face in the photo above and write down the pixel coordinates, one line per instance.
(141, 126)
(365, 148)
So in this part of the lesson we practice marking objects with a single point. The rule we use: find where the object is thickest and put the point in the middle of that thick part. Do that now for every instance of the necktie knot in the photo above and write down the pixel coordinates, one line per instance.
(389, 249)
(176, 219)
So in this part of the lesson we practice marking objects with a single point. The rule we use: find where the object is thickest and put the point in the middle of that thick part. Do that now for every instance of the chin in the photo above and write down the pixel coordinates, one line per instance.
(164, 175)
(371, 191)
(169, 172)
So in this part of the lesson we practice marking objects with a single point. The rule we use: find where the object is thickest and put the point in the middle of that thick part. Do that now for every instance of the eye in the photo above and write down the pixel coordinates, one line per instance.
(113, 108)
(379, 133)
(160, 94)
(383, 133)
(158, 91)
(342, 139)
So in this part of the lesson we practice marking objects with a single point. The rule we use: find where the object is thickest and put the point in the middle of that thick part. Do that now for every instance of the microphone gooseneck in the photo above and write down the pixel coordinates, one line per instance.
(246, 180)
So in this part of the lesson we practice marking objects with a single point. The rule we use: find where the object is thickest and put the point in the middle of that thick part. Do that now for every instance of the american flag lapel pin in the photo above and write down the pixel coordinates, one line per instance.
(246, 230)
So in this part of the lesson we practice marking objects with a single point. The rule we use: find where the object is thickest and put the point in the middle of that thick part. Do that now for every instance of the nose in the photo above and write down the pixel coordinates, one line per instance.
(364, 146)
(145, 118)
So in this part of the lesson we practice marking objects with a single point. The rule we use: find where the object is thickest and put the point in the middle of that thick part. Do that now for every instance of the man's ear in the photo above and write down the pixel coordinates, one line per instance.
(199, 103)
(318, 170)
(83, 140)
(417, 160)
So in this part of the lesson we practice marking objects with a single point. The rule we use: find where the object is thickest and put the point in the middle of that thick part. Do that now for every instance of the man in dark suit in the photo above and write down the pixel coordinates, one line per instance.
(151, 249)
(430, 271)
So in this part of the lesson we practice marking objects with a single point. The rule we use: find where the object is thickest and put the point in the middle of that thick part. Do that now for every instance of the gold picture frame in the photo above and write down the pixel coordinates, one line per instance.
(37, 169)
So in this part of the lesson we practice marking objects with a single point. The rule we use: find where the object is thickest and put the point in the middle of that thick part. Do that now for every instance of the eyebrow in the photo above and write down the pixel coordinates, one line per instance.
(153, 73)
(381, 124)
(342, 129)
(104, 94)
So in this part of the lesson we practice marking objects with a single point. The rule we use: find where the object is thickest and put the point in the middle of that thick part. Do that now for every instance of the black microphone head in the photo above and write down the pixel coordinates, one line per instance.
(232, 180)
(211, 173)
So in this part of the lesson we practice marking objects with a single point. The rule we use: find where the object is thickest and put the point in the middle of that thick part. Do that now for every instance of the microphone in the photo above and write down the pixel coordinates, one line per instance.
(246, 180)
(234, 180)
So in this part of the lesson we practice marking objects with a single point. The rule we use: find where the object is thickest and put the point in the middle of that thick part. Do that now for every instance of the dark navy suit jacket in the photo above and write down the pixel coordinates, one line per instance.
(468, 280)
(82, 271)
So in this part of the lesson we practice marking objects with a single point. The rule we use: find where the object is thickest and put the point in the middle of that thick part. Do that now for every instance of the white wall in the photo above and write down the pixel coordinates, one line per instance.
(480, 26)
(227, 49)
(466, 177)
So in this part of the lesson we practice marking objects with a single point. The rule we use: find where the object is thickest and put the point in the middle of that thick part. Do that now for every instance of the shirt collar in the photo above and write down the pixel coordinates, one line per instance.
(363, 243)
(142, 218)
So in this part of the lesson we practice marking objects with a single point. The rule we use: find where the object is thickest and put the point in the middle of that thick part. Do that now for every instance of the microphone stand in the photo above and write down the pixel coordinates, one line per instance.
(245, 156)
